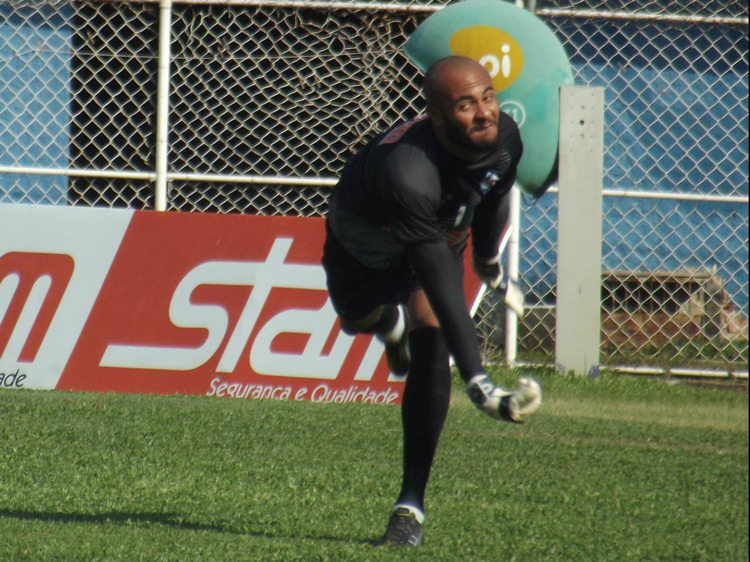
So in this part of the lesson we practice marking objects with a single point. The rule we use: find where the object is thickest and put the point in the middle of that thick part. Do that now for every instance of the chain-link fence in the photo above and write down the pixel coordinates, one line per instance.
(268, 98)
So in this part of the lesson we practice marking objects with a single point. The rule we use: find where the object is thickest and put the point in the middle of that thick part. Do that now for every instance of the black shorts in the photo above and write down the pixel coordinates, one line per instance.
(356, 289)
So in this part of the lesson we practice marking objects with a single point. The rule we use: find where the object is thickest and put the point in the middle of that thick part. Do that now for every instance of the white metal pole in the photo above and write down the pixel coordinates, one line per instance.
(162, 104)
(511, 318)
(514, 252)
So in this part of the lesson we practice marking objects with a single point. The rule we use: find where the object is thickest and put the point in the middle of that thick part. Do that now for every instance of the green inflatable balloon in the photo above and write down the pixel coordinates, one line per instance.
(526, 61)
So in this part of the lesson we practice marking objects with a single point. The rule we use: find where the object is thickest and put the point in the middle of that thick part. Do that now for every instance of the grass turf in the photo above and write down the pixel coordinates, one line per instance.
(614, 469)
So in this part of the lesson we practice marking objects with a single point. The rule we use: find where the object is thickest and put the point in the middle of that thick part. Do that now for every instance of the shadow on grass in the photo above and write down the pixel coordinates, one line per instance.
(167, 519)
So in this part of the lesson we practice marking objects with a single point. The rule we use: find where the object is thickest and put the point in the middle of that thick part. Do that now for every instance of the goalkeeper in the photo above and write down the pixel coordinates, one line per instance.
(397, 225)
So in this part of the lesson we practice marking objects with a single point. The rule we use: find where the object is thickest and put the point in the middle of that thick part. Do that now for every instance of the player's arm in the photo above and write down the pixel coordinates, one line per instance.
(491, 218)
(490, 230)
(435, 266)
(491, 215)
(489, 227)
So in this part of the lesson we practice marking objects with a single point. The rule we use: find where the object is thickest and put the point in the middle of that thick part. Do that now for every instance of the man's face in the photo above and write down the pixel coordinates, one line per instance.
(468, 112)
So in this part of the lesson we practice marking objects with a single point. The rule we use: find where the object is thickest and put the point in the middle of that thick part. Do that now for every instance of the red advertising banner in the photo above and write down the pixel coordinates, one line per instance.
(140, 301)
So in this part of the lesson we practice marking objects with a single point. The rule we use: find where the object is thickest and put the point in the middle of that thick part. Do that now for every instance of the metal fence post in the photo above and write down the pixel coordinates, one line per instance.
(514, 261)
(162, 105)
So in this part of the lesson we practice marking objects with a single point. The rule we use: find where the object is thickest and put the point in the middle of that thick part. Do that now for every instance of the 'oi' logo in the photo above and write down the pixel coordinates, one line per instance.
(493, 48)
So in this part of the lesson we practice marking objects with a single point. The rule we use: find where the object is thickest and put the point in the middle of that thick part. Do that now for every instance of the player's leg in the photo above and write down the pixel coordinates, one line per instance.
(390, 324)
(423, 411)
(367, 300)
(425, 400)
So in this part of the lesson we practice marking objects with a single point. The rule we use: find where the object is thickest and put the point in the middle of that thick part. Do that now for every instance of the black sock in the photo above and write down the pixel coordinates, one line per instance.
(423, 411)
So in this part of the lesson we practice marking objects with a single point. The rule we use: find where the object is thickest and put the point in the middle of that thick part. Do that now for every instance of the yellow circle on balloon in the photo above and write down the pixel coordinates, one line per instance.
(494, 49)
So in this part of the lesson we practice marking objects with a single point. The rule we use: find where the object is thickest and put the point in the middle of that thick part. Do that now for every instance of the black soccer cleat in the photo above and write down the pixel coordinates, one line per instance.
(404, 529)
(397, 354)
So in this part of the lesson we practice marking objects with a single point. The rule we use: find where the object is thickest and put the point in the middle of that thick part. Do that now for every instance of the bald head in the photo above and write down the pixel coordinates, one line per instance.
(441, 78)
(462, 106)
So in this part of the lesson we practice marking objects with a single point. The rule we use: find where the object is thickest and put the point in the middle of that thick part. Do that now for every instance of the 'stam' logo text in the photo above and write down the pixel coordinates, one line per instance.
(31, 288)
(317, 359)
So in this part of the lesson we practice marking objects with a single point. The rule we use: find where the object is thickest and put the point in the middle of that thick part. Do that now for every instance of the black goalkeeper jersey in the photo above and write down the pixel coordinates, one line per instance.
(403, 195)
(404, 188)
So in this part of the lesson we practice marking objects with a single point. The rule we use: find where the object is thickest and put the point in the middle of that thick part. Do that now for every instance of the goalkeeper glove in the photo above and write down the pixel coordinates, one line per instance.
(517, 406)
(489, 271)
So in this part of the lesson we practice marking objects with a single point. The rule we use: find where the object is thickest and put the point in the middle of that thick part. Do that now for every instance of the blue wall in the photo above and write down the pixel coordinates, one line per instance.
(645, 235)
(662, 88)
(34, 102)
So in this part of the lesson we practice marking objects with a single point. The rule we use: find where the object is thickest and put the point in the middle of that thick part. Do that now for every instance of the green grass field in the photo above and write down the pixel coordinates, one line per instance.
(615, 469)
